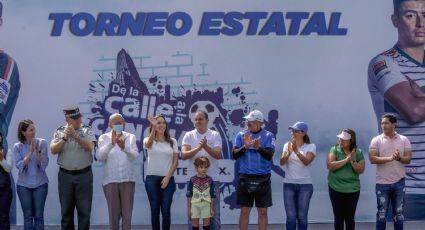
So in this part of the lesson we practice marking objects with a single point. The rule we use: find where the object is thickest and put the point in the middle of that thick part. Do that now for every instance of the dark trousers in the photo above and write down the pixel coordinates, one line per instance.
(160, 200)
(5, 202)
(344, 208)
(75, 191)
(32, 203)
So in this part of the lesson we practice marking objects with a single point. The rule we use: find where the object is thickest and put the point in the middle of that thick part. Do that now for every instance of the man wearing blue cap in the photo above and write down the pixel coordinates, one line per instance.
(396, 85)
(74, 143)
(253, 150)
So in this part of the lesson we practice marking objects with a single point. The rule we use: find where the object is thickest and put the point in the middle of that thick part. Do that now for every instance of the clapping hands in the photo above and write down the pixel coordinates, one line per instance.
(118, 139)
(70, 132)
(249, 142)
(396, 156)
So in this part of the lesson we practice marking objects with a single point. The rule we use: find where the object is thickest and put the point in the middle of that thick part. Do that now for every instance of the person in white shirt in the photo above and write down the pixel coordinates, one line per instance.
(118, 149)
(162, 161)
(206, 142)
(296, 158)
(6, 165)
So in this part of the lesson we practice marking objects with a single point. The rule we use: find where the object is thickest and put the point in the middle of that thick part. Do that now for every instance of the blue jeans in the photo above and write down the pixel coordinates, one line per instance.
(32, 203)
(297, 201)
(215, 223)
(160, 200)
(386, 194)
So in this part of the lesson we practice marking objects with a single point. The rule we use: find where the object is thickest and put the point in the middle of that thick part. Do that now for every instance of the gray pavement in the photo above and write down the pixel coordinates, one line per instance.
(410, 225)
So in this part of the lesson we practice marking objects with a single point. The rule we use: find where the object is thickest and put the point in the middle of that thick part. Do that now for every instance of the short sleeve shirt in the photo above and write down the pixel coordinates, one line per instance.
(344, 179)
(295, 171)
(390, 172)
(192, 139)
(251, 162)
(73, 156)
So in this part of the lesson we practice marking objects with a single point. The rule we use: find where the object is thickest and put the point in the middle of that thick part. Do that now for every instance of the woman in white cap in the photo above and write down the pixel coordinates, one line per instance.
(296, 158)
(345, 162)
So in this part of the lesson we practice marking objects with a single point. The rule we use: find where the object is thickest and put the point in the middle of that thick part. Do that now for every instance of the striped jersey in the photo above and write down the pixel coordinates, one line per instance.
(252, 162)
(386, 70)
(9, 91)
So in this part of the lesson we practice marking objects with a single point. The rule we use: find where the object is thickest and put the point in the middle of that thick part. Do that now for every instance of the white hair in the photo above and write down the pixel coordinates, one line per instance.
(115, 115)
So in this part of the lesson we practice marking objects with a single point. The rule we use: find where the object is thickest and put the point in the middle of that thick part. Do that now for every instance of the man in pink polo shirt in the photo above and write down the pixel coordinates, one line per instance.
(390, 152)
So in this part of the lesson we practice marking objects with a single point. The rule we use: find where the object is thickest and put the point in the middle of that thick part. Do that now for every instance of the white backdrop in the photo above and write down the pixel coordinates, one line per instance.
(317, 79)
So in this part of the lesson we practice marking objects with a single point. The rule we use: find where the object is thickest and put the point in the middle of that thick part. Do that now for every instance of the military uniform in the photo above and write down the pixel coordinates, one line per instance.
(73, 156)
(75, 177)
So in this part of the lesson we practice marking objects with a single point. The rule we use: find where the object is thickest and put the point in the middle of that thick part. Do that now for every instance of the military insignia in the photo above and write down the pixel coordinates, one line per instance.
(59, 133)
(379, 66)
(4, 90)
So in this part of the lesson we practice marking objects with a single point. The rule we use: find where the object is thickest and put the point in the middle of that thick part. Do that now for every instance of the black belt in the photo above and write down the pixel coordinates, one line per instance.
(76, 172)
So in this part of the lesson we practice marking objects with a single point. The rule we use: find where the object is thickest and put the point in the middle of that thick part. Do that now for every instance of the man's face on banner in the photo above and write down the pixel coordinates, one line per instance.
(410, 22)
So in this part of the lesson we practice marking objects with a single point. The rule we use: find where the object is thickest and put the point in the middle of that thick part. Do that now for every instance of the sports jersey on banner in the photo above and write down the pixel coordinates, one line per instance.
(386, 70)
(9, 91)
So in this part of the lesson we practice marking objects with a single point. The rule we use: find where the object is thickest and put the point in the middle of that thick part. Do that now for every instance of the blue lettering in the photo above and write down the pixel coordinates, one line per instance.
(254, 20)
(234, 27)
(106, 22)
(186, 23)
(87, 19)
(316, 24)
(212, 23)
(275, 24)
(134, 25)
(209, 21)
(155, 23)
(334, 25)
(296, 18)
(58, 21)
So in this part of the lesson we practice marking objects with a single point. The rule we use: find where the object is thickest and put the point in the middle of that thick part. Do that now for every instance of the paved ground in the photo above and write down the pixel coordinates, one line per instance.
(359, 226)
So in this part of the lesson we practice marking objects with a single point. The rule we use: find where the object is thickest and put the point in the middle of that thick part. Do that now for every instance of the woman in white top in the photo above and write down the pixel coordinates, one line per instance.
(118, 149)
(297, 187)
(6, 164)
(162, 162)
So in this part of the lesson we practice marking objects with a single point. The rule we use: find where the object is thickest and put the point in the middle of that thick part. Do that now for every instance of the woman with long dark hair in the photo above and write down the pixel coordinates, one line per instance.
(345, 162)
(296, 158)
(31, 160)
(6, 165)
(162, 162)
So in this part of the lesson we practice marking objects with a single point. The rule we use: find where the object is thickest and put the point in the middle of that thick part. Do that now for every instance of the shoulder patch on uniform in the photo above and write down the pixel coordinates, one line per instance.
(379, 66)
(391, 52)
(61, 128)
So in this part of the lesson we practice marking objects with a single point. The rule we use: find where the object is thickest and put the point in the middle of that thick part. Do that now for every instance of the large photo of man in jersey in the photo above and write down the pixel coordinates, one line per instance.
(9, 87)
(396, 82)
